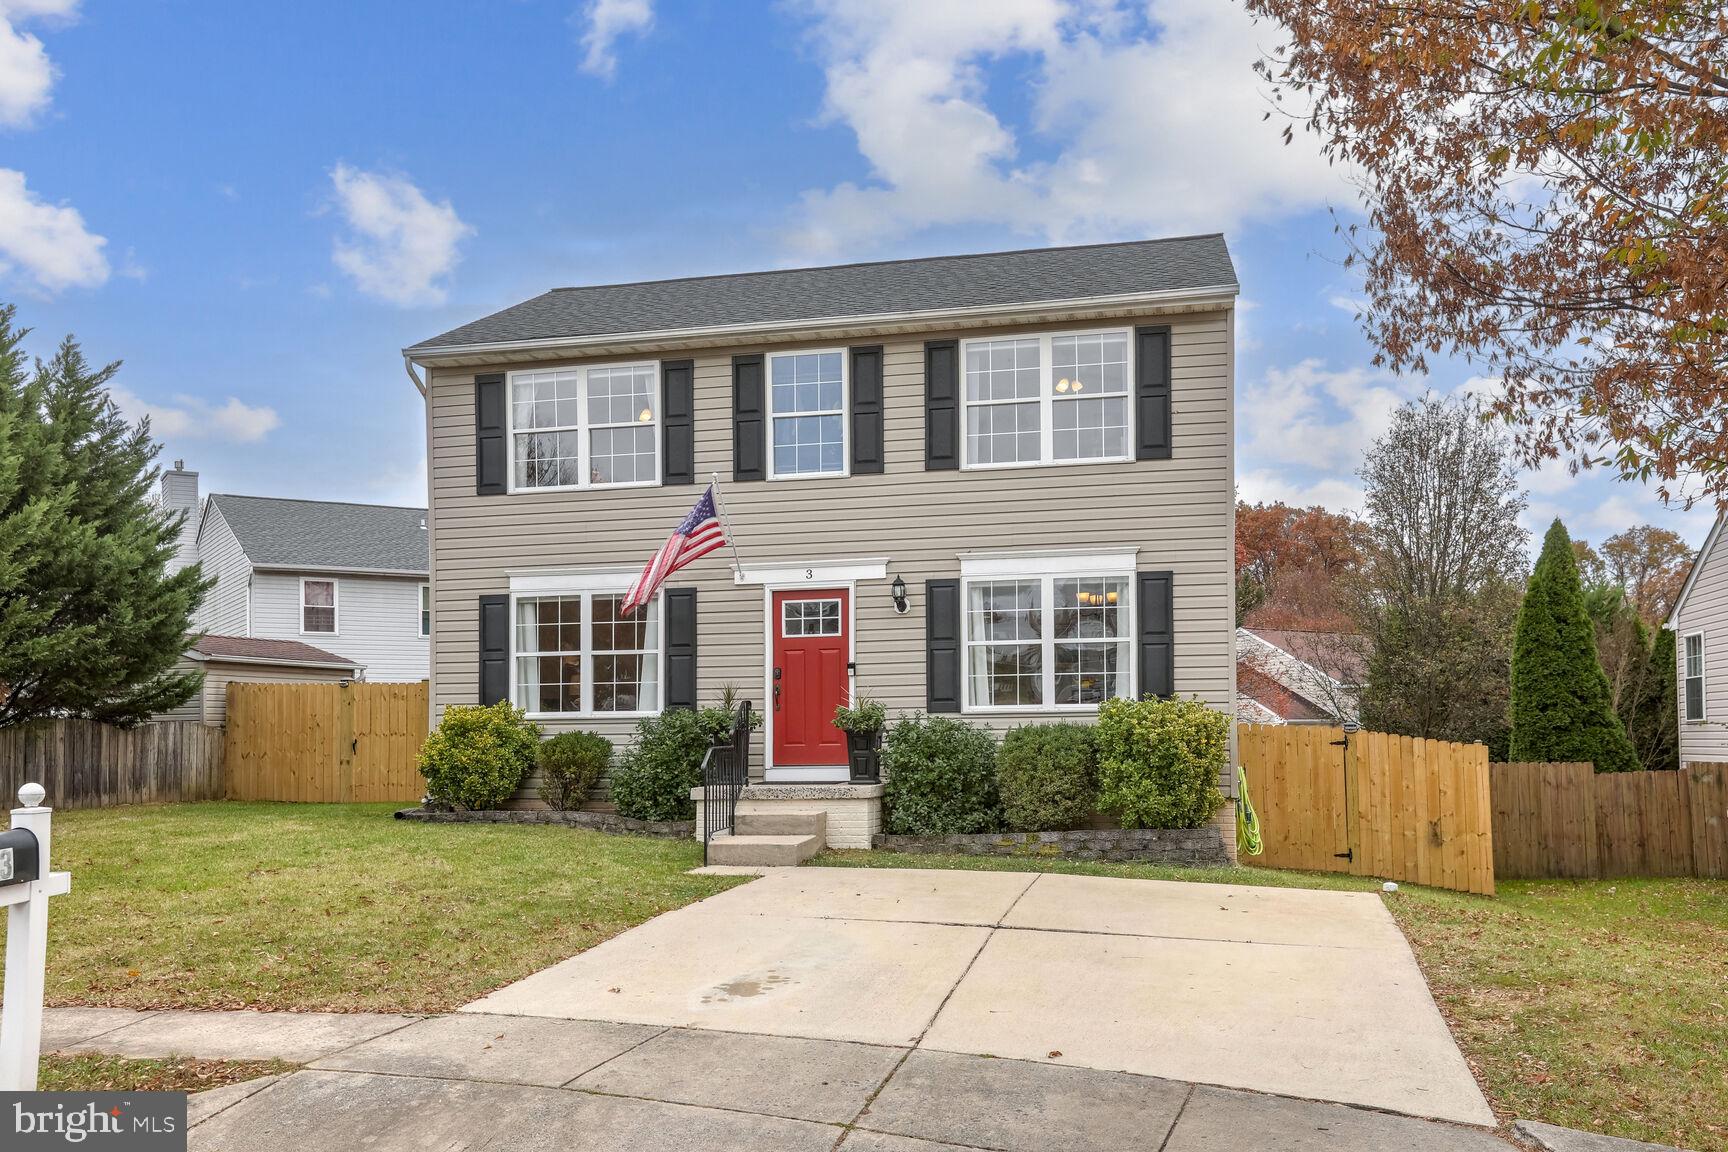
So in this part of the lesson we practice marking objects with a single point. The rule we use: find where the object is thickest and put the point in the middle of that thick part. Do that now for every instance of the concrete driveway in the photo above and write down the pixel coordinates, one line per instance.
(1299, 993)
(863, 1010)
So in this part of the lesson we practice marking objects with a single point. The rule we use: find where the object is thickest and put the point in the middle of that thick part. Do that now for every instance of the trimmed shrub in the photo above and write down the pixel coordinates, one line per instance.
(1047, 775)
(941, 778)
(653, 778)
(478, 756)
(570, 765)
(1159, 762)
(1562, 706)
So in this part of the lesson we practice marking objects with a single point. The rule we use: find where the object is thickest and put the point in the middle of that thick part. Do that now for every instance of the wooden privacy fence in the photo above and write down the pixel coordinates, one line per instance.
(326, 743)
(1568, 820)
(1375, 805)
(84, 764)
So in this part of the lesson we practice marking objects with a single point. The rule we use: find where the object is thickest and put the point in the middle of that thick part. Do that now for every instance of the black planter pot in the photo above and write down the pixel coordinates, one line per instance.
(864, 755)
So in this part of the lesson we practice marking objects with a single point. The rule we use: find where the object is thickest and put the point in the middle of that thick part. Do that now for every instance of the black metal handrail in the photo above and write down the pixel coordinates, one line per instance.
(725, 769)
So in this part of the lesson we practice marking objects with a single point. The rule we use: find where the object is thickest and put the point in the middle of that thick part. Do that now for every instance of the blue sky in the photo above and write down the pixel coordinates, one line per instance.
(257, 206)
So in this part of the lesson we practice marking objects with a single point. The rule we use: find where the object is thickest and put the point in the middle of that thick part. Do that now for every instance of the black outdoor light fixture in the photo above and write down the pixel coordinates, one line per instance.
(898, 591)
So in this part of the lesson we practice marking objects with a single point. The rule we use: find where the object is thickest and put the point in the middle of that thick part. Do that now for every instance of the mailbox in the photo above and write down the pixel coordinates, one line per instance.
(19, 860)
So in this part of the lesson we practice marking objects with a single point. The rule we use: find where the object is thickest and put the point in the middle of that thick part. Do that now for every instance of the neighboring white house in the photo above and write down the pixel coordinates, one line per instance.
(226, 659)
(348, 579)
(1297, 677)
(1700, 625)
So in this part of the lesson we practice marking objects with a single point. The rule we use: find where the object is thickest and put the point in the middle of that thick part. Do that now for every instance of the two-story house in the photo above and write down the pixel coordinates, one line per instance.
(341, 586)
(998, 486)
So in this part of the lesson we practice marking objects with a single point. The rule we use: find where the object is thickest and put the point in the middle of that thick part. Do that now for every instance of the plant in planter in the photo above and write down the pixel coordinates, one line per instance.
(863, 721)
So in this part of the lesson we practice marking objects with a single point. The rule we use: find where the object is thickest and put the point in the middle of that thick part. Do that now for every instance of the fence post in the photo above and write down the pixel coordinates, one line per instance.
(27, 949)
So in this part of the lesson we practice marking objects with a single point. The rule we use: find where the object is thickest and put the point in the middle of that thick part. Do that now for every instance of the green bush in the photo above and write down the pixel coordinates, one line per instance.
(653, 778)
(1159, 762)
(570, 765)
(863, 716)
(1048, 777)
(941, 777)
(478, 756)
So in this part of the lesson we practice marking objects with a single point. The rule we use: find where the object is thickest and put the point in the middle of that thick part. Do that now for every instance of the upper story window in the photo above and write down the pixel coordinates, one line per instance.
(1047, 399)
(318, 606)
(1047, 642)
(585, 427)
(425, 610)
(1694, 676)
(807, 413)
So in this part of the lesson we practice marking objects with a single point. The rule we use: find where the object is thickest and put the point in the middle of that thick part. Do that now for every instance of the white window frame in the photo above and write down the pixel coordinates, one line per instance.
(335, 605)
(1703, 681)
(423, 612)
(1046, 568)
(845, 408)
(1046, 402)
(583, 428)
(585, 591)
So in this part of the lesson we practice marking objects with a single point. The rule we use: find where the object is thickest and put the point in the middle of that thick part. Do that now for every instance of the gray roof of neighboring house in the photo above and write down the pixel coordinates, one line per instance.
(1029, 276)
(278, 533)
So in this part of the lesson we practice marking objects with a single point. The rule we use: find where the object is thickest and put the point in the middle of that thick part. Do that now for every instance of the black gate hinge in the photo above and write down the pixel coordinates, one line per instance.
(1348, 854)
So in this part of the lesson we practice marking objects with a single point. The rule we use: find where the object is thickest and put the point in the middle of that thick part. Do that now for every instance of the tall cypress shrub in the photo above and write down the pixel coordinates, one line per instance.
(1562, 707)
(1653, 725)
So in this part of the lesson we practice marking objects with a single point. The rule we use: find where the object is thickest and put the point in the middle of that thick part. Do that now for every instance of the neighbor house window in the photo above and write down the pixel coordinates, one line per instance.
(807, 405)
(585, 427)
(318, 606)
(1695, 676)
(579, 655)
(425, 610)
(1043, 399)
(1047, 642)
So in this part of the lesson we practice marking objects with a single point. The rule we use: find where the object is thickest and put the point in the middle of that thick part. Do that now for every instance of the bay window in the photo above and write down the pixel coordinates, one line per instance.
(1047, 642)
(1047, 399)
(577, 654)
(585, 427)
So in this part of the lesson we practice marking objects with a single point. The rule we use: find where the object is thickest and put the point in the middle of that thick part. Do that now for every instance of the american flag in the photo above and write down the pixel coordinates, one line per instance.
(700, 533)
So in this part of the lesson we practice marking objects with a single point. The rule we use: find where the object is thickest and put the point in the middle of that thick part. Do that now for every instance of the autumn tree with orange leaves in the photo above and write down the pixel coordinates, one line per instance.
(1547, 196)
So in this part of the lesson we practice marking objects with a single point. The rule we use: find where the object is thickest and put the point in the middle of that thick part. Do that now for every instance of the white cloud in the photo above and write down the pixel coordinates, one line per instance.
(1316, 417)
(1261, 486)
(605, 21)
(191, 418)
(46, 243)
(1138, 134)
(402, 245)
(26, 74)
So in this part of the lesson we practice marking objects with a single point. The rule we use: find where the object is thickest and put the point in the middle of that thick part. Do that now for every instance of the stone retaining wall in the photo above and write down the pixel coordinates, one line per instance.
(598, 821)
(1195, 847)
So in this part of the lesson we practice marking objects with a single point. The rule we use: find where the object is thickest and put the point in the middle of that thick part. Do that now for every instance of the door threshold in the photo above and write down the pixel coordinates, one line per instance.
(812, 774)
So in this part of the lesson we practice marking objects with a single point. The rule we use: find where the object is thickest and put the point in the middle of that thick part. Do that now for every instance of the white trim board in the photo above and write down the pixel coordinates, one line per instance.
(812, 573)
(1050, 562)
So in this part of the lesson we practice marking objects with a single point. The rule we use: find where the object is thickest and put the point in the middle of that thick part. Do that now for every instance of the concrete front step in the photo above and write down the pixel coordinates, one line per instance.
(781, 824)
(763, 851)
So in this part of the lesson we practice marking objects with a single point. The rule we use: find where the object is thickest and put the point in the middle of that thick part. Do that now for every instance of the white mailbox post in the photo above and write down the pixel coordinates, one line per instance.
(26, 906)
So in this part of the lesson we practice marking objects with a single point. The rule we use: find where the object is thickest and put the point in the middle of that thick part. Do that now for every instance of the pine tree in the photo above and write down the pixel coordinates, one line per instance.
(1562, 707)
(91, 624)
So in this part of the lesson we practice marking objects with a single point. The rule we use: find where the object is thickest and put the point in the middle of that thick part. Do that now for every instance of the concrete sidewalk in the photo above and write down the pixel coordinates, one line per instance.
(296, 1037)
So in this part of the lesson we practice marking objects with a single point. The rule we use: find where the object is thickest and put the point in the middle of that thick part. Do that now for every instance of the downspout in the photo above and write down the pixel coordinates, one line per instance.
(408, 367)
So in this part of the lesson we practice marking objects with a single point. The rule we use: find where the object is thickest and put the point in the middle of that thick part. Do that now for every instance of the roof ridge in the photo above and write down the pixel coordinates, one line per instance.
(305, 500)
(882, 263)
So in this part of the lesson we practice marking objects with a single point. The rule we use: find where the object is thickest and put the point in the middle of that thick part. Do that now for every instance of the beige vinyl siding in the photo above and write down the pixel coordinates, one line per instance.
(218, 675)
(193, 709)
(225, 608)
(1705, 610)
(1178, 513)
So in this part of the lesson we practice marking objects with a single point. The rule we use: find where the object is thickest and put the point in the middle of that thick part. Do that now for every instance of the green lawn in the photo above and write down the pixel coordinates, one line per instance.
(1596, 1004)
(337, 907)
(91, 1073)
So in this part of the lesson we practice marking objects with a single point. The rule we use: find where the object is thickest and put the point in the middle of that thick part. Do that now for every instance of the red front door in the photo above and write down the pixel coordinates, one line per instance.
(809, 677)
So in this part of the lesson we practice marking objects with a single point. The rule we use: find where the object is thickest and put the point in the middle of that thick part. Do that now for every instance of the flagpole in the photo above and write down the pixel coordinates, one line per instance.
(726, 522)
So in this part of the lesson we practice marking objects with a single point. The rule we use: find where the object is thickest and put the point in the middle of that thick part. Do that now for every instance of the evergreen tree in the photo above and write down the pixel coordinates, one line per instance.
(1562, 707)
(91, 624)
(1653, 724)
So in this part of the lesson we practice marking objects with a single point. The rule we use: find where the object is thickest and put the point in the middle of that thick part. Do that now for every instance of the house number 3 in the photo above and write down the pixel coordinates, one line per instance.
(809, 574)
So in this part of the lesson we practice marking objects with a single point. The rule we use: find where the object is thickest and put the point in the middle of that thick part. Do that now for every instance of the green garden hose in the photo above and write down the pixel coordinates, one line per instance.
(1247, 823)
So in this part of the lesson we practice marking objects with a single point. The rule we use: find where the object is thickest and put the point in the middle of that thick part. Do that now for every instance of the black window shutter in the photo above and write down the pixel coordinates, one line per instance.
(749, 419)
(1152, 393)
(1157, 634)
(942, 645)
(678, 422)
(941, 404)
(867, 409)
(494, 649)
(680, 647)
(491, 462)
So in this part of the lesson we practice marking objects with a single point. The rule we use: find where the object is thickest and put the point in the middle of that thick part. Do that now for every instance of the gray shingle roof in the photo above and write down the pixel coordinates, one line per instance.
(323, 534)
(1029, 276)
(275, 651)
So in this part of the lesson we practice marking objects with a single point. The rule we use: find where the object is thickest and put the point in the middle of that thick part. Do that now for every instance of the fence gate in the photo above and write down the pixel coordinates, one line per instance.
(1372, 804)
(326, 743)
